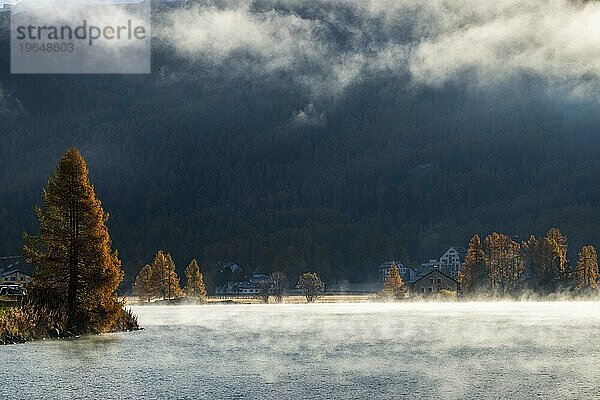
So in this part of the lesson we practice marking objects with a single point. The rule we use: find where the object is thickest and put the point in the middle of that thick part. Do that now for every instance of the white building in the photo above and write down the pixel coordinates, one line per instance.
(451, 261)
(407, 273)
(15, 276)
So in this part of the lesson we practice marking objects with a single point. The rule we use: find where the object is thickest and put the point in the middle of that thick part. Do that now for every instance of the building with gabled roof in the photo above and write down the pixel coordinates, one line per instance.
(451, 261)
(383, 269)
(15, 276)
(431, 282)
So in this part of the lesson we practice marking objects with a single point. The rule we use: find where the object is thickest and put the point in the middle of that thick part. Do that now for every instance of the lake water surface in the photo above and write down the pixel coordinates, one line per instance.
(318, 351)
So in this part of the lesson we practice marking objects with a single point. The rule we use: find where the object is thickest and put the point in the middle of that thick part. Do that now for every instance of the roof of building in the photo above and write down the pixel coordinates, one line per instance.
(388, 264)
(12, 263)
(12, 271)
(260, 278)
(231, 266)
(424, 275)
(461, 251)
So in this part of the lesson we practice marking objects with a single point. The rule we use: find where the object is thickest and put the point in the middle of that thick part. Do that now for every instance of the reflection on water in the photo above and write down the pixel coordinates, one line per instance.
(413, 350)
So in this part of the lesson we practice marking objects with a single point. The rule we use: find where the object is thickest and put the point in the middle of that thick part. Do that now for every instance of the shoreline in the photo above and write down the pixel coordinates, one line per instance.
(361, 299)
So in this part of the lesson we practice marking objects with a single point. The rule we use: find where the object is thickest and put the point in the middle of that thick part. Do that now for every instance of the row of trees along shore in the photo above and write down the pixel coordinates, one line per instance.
(74, 286)
(502, 266)
(159, 280)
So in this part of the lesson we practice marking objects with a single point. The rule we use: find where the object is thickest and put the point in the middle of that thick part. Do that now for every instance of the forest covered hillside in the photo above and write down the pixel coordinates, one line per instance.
(306, 139)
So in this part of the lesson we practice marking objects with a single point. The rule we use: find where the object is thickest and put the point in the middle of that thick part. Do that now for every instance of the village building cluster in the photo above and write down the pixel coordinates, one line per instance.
(428, 277)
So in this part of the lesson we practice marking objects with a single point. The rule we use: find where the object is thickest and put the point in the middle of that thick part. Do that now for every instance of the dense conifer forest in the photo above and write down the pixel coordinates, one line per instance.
(207, 163)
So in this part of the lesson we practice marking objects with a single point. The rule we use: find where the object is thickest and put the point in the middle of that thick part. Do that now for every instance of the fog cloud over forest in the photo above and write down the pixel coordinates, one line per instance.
(329, 45)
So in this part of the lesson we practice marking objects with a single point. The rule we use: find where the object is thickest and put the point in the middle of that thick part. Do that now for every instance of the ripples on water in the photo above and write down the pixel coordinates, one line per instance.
(361, 351)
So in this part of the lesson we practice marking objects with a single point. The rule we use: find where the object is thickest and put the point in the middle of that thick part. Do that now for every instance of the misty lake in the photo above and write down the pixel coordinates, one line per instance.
(360, 351)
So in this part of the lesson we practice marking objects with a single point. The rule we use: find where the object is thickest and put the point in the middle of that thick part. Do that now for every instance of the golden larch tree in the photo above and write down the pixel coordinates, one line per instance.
(75, 267)
(393, 287)
(194, 285)
(587, 268)
(547, 262)
(505, 262)
(473, 276)
(145, 286)
(164, 276)
(559, 269)
(172, 286)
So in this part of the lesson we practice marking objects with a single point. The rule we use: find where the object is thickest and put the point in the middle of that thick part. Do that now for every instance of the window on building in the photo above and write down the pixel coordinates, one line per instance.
(430, 289)
(13, 278)
(422, 290)
(439, 280)
(430, 280)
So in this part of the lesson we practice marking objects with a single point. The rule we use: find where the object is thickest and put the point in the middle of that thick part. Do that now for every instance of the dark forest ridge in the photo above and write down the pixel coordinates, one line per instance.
(285, 168)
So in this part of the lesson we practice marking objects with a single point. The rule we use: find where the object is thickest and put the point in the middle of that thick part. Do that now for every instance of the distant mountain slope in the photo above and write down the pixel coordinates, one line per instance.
(203, 160)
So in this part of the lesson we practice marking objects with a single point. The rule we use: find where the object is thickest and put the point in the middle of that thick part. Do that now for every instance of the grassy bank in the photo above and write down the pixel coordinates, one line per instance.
(19, 324)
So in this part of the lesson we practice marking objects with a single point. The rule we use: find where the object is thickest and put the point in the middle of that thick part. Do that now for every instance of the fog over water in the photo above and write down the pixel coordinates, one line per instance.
(384, 351)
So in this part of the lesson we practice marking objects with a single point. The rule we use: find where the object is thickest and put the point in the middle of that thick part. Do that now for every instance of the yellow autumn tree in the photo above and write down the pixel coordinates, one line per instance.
(547, 262)
(505, 262)
(145, 286)
(165, 280)
(194, 285)
(559, 270)
(75, 268)
(473, 277)
(587, 268)
(393, 287)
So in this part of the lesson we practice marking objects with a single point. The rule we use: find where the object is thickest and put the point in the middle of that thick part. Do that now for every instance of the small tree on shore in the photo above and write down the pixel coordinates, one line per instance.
(279, 285)
(264, 288)
(144, 287)
(311, 286)
(473, 277)
(172, 287)
(194, 286)
(587, 269)
(393, 287)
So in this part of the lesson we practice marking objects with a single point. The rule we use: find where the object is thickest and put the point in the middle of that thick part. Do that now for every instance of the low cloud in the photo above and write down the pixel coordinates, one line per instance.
(556, 40)
(331, 45)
